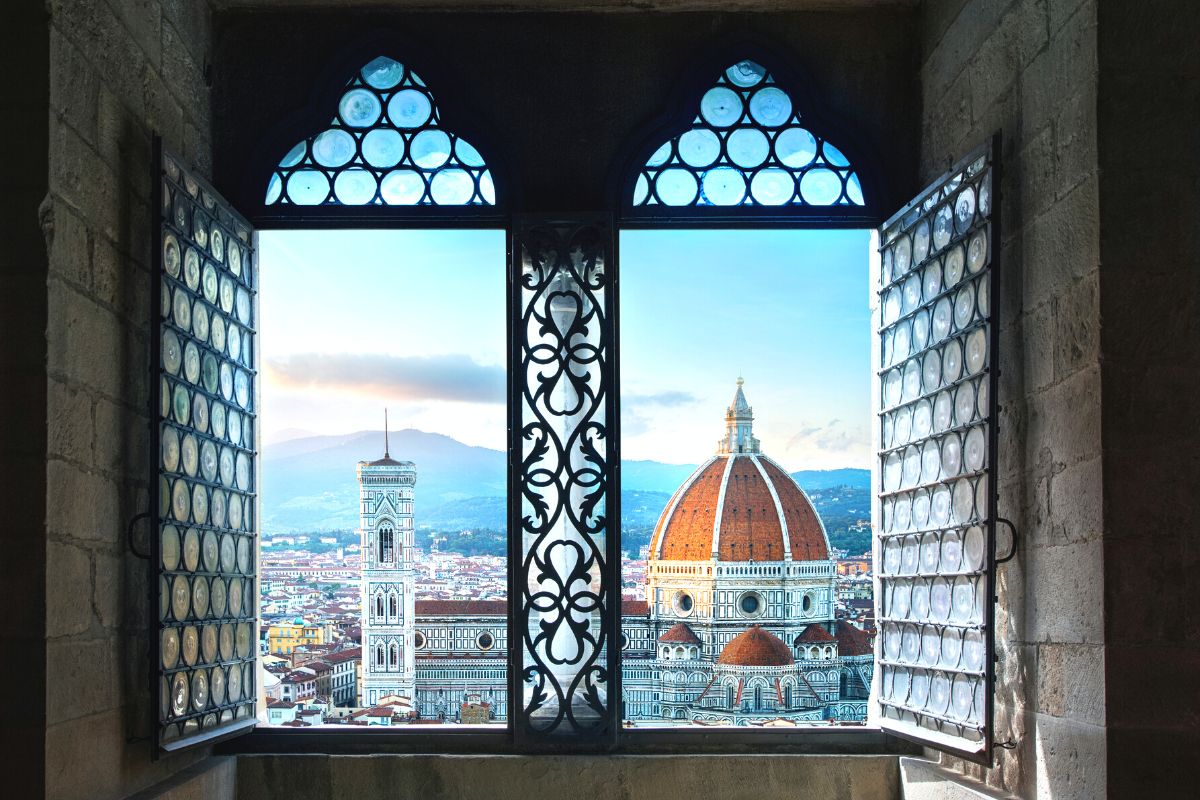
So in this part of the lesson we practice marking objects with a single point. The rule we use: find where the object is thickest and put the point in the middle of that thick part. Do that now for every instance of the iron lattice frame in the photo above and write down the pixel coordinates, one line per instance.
(939, 203)
(184, 206)
(563, 488)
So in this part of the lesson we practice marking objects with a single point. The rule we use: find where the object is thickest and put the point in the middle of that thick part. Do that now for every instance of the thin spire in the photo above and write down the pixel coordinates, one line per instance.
(386, 449)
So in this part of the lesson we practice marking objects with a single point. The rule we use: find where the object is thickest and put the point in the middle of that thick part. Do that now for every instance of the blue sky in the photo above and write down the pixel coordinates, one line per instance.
(352, 321)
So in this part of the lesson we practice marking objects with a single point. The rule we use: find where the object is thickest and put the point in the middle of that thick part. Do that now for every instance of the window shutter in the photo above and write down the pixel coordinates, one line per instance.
(204, 401)
(565, 595)
(935, 551)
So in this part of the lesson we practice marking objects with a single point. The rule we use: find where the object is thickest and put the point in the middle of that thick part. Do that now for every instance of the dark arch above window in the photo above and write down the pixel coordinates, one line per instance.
(748, 151)
(385, 146)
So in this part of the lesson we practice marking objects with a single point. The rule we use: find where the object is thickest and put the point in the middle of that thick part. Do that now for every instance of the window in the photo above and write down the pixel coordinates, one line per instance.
(385, 146)
(563, 362)
(386, 544)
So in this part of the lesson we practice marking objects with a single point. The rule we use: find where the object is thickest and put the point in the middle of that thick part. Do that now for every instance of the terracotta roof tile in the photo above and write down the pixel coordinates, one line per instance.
(814, 634)
(634, 608)
(447, 608)
(750, 527)
(756, 647)
(680, 632)
(853, 641)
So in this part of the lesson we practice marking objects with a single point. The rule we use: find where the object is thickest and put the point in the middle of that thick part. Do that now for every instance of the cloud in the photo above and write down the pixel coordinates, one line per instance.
(834, 436)
(448, 377)
(668, 399)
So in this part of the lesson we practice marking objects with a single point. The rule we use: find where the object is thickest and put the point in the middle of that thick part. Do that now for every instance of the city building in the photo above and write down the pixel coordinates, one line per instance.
(285, 637)
(386, 539)
(739, 626)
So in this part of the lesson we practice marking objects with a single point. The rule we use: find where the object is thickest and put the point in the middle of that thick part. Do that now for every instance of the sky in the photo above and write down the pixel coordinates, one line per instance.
(353, 321)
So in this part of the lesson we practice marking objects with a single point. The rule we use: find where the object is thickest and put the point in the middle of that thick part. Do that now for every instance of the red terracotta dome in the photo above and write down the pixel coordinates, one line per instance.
(681, 633)
(739, 506)
(756, 647)
(815, 634)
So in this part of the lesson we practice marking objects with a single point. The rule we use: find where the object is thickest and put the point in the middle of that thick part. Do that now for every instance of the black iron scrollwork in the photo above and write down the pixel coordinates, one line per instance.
(564, 347)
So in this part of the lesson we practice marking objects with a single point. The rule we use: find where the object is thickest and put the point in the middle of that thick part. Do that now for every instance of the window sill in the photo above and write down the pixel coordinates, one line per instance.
(479, 741)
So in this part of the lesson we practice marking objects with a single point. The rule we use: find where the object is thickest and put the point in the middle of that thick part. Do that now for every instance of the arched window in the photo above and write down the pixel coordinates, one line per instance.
(393, 655)
(379, 655)
(758, 699)
(747, 146)
(393, 606)
(387, 552)
(787, 696)
(379, 605)
(385, 146)
(729, 696)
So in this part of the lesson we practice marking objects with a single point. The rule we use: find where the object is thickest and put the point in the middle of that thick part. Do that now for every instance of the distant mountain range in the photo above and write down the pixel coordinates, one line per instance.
(309, 482)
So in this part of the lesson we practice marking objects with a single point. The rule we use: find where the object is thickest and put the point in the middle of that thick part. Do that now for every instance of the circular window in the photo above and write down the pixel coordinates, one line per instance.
(485, 641)
(419, 640)
(750, 604)
(806, 603)
(683, 604)
(625, 641)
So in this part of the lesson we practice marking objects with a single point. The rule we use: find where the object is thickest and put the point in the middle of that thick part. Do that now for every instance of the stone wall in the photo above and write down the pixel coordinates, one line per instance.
(1028, 68)
(118, 71)
(1149, 112)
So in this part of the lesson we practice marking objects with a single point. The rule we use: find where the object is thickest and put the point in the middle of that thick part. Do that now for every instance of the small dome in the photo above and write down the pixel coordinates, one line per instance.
(853, 641)
(681, 633)
(815, 634)
(756, 647)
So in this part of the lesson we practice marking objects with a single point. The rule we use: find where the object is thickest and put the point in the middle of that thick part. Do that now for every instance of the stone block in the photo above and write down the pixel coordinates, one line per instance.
(962, 39)
(80, 178)
(1008, 49)
(68, 578)
(143, 20)
(1072, 761)
(1064, 419)
(74, 85)
(69, 243)
(1033, 176)
(70, 425)
(1060, 11)
(123, 142)
(194, 23)
(81, 504)
(1133, 614)
(1075, 504)
(108, 585)
(85, 341)
(160, 110)
(1076, 157)
(184, 74)
(213, 778)
(1067, 66)
(81, 674)
(1077, 327)
(1062, 245)
(921, 779)
(1070, 681)
(1065, 591)
(121, 439)
(97, 32)
(1037, 348)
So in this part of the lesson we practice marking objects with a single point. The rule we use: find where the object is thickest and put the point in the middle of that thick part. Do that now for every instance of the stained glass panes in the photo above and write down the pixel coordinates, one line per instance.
(385, 145)
(207, 632)
(934, 549)
(747, 146)
(567, 593)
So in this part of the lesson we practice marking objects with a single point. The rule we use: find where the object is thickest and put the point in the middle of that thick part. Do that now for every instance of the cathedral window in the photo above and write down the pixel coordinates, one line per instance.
(393, 655)
(385, 145)
(386, 544)
(393, 606)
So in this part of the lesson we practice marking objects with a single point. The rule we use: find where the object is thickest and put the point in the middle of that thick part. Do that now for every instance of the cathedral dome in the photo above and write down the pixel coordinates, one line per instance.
(756, 647)
(739, 506)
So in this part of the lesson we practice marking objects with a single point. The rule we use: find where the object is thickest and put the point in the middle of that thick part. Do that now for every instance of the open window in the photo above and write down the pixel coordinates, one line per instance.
(751, 148)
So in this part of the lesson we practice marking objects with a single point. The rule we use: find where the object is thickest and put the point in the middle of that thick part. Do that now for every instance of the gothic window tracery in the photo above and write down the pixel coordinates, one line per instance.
(385, 145)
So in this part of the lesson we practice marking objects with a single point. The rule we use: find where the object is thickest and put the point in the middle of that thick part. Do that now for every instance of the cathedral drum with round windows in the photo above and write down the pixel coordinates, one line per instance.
(739, 555)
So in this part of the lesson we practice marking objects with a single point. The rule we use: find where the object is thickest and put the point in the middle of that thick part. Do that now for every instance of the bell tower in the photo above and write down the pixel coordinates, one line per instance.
(385, 491)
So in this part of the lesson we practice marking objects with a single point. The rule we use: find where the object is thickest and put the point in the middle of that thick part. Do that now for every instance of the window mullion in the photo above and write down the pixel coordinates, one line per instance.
(565, 598)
